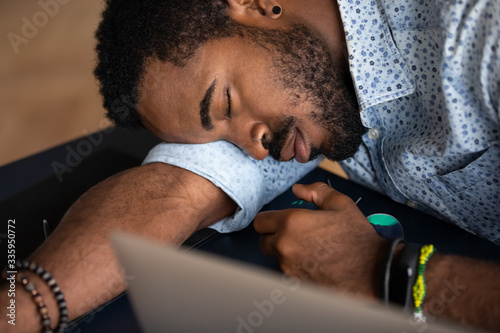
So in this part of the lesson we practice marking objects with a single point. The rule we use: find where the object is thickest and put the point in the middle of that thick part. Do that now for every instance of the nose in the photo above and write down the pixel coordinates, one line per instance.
(251, 140)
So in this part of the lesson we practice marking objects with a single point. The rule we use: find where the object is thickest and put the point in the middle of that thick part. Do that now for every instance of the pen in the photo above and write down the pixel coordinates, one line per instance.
(46, 228)
(330, 184)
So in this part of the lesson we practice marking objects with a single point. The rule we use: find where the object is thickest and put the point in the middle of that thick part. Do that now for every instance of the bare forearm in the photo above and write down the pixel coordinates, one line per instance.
(158, 201)
(464, 290)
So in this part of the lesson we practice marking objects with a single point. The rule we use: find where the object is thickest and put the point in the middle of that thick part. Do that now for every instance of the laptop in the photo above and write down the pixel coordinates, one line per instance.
(175, 290)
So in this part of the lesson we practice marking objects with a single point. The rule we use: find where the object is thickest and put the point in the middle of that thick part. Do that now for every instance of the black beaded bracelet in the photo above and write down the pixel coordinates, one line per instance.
(35, 295)
(54, 287)
(387, 270)
(38, 299)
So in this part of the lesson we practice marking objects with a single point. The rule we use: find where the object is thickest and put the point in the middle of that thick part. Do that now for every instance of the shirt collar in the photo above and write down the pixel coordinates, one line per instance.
(378, 69)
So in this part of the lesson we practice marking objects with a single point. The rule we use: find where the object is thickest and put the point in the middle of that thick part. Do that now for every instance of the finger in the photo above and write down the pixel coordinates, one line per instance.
(321, 195)
(267, 245)
(266, 222)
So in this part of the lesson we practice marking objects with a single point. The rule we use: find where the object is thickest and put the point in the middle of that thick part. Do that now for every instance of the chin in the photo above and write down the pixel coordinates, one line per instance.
(341, 151)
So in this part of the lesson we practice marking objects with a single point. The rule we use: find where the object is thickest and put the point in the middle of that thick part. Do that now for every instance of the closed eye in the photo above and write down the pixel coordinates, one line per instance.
(228, 111)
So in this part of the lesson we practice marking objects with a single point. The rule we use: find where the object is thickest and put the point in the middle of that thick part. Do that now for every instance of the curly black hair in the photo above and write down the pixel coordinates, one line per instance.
(132, 31)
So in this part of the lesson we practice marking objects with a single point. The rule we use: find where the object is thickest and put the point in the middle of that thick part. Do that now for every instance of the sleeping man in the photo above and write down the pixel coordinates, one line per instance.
(247, 94)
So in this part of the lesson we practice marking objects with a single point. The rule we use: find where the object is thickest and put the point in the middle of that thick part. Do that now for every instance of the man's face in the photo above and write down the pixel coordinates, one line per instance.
(235, 90)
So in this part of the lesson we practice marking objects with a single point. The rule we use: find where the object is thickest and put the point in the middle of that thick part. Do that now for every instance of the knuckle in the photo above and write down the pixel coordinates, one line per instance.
(264, 245)
(283, 247)
(261, 220)
(292, 222)
(287, 217)
(257, 225)
(342, 199)
(321, 185)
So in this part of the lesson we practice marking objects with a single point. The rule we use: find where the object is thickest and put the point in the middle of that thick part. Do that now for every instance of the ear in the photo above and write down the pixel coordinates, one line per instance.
(245, 10)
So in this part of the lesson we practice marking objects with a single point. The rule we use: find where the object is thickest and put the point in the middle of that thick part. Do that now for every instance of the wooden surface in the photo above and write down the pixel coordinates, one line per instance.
(47, 92)
(334, 168)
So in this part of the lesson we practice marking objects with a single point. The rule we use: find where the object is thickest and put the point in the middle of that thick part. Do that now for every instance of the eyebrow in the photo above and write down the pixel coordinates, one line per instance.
(206, 120)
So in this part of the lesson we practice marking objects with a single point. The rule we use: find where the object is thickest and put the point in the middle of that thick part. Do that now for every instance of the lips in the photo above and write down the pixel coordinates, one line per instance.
(296, 147)
(301, 150)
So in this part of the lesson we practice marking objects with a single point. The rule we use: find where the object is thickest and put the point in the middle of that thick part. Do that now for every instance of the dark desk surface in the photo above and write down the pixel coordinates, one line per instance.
(36, 188)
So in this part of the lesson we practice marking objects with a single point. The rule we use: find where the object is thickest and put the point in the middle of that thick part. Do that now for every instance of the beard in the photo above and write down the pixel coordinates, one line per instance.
(303, 66)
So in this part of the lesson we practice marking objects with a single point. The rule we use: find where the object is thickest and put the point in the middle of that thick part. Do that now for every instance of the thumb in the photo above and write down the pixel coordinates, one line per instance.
(321, 195)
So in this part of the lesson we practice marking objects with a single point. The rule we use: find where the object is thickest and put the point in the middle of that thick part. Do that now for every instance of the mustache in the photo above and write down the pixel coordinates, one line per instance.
(276, 143)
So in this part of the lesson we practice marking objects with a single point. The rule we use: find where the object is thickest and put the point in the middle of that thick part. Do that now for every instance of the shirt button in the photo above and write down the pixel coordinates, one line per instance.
(373, 133)
(412, 204)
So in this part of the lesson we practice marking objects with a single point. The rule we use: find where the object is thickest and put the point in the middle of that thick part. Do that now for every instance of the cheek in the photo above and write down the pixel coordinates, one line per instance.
(187, 134)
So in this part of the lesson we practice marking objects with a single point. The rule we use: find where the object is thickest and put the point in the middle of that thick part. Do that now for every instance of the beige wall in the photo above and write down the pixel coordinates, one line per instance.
(47, 92)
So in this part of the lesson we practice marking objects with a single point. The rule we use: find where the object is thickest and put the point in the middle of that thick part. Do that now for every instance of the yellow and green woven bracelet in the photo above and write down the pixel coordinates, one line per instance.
(420, 287)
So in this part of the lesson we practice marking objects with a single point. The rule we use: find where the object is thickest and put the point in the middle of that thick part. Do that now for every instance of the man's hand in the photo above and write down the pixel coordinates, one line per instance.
(334, 246)
(337, 246)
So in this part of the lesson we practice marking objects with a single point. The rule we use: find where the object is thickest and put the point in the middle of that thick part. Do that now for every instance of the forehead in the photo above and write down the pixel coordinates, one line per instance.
(159, 78)
(165, 86)
(215, 58)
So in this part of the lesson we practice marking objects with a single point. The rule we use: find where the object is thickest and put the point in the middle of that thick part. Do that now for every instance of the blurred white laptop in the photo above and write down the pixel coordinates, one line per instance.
(179, 291)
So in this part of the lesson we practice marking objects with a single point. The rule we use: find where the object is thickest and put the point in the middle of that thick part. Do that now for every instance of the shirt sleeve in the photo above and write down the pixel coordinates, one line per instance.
(249, 182)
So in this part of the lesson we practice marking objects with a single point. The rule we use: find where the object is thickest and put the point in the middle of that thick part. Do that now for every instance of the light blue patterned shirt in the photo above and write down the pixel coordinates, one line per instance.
(250, 183)
(427, 77)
